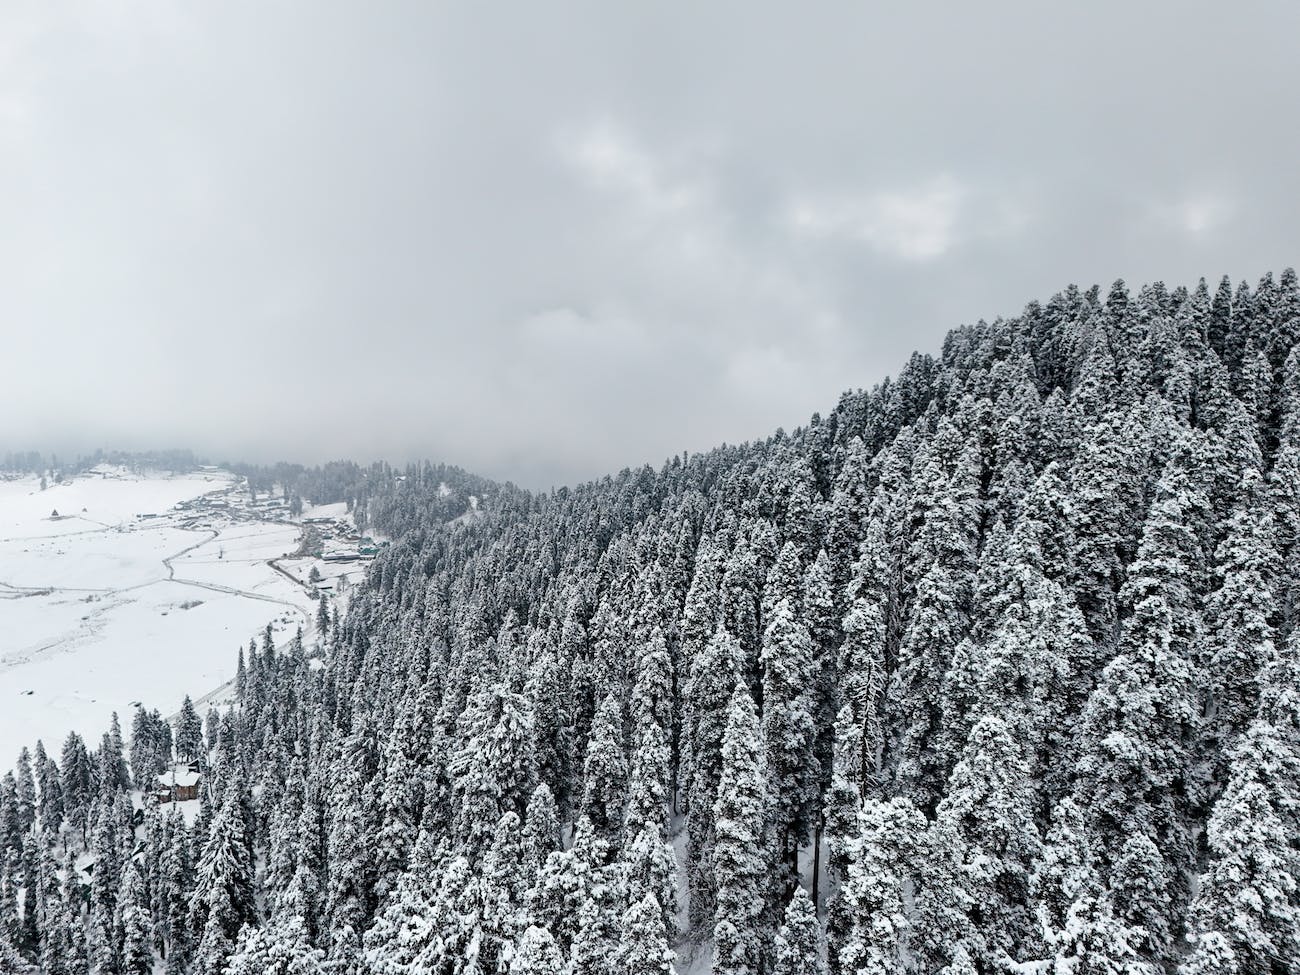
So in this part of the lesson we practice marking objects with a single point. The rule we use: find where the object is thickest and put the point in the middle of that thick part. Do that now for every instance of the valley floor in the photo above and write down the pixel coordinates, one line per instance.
(117, 588)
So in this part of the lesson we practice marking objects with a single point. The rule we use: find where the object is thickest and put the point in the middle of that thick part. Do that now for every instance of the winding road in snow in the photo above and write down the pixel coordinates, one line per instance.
(10, 590)
(229, 590)
(90, 621)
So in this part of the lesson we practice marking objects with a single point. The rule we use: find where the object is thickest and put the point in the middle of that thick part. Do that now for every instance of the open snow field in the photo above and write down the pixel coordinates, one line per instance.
(125, 598)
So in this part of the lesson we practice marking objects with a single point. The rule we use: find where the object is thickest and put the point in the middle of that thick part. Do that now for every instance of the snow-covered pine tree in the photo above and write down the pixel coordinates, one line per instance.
(137, 957)
(223, 898)
(644, 946)
(1246, 902)
(604, 792)
(740, 860)
(870, 927)
(789, 733)
(537, 954)
(798, 942)
(983, 843)
(714, 672)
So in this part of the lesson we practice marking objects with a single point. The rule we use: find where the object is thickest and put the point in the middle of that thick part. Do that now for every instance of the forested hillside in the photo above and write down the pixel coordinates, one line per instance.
(993, 665)
(381, 498)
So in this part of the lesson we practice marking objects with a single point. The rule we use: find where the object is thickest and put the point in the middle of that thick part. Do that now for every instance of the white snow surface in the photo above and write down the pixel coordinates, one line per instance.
(103, 608)
(178, 775)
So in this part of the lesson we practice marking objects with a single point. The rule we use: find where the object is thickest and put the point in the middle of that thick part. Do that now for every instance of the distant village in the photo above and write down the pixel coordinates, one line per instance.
(327, 537)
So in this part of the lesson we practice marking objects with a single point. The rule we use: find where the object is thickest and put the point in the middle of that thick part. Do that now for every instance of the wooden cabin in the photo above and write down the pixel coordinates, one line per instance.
(180, 783)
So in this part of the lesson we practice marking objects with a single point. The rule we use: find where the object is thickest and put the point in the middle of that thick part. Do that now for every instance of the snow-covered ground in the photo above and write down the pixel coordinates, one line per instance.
(126, 598)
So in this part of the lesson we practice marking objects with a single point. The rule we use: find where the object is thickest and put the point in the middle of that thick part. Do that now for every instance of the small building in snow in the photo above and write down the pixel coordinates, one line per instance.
(179, 783)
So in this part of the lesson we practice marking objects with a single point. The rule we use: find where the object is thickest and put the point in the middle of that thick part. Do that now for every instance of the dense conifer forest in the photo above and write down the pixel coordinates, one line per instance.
(994, 667)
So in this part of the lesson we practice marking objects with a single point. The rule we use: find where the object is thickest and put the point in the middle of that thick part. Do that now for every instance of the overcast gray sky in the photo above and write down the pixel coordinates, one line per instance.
(545, 241)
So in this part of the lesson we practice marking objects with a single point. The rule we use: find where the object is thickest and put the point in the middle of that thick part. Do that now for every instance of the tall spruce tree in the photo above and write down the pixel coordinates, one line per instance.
(739, 856)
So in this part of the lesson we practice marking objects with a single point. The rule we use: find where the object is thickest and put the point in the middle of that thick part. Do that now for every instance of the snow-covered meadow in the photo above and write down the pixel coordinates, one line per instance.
(125, 598)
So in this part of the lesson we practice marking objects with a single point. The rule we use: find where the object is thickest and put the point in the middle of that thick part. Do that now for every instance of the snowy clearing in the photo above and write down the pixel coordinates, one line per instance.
(141, 589)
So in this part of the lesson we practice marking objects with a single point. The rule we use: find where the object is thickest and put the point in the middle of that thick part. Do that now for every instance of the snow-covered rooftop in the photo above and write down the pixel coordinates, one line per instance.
(181, 777)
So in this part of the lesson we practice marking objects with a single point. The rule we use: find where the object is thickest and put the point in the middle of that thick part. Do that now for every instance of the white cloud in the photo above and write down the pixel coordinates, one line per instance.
(304, 180)
(564, 331)
(1199, 215)
(1195, 215)
(613, 161)
(665, 204)
(917, 224)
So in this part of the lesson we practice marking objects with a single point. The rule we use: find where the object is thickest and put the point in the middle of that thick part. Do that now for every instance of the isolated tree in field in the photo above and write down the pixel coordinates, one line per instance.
(322, 616)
